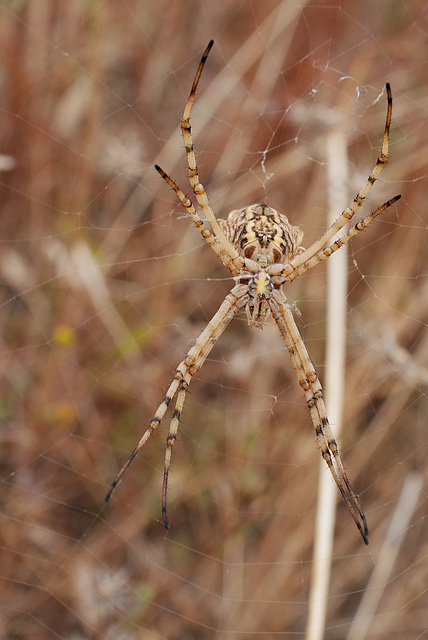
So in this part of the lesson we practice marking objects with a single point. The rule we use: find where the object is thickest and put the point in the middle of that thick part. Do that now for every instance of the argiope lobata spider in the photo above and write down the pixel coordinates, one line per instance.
(263, 252)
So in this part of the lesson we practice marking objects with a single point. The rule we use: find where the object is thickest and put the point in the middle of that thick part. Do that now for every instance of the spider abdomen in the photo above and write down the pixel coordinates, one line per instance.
(260, 233)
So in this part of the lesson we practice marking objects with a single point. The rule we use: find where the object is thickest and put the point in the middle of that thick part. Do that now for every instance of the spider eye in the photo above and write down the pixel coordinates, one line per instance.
(249, 252)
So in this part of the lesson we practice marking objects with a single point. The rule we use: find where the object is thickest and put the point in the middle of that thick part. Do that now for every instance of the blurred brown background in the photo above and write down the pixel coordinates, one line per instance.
(105, 284)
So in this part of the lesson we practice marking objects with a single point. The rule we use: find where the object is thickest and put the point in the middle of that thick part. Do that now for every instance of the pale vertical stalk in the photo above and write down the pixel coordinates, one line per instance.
(387, 557)
(337, 171)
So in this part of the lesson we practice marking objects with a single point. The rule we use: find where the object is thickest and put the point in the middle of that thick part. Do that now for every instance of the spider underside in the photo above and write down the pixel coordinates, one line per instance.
(263, 252)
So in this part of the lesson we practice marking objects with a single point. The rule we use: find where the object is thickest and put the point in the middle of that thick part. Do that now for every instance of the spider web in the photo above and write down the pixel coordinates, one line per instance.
(105, 284)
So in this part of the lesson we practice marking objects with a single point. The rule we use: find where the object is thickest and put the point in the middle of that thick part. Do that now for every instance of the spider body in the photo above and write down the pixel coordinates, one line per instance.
(266, 240)
(263, 252)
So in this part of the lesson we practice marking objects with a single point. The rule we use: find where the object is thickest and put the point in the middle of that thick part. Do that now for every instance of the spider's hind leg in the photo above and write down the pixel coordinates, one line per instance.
(154, 423)
(311, 386)
(171, 439)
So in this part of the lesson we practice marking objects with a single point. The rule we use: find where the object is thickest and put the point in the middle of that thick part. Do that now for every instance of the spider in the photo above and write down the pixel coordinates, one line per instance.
(263, 252)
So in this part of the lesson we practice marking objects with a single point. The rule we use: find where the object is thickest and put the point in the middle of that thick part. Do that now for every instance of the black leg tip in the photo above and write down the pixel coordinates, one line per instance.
(110, 491)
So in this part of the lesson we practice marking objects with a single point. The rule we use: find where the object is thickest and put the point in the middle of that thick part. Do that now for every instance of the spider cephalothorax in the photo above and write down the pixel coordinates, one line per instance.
(262, 251)
(260, 288)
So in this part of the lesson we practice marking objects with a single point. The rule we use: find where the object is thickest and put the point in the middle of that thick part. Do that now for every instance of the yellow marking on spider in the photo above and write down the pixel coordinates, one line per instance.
(261, 282)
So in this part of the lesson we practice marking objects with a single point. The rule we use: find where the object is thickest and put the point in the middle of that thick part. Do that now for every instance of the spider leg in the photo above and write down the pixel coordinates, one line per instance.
(311, 386)
(172, 437)
(322, 254)
(348, 213)
(205, 233)
(154, 423)
(197, 187)
(234, 302)
(191, 364)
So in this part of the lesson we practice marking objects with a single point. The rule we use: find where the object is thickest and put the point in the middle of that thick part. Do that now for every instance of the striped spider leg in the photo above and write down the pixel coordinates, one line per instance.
(346, 215)
(236, 300)
(263, 252)
(308, 380)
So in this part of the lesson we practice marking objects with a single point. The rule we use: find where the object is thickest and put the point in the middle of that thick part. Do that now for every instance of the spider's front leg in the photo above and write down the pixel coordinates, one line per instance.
(346, 215)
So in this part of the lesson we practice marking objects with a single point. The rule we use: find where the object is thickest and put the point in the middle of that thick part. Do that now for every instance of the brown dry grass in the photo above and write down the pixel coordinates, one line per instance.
(105, 283)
